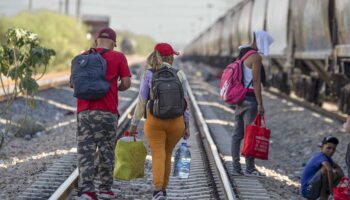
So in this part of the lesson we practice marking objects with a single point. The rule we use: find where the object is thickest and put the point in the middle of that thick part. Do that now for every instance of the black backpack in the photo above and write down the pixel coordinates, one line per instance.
(166, 94)
(88, 75)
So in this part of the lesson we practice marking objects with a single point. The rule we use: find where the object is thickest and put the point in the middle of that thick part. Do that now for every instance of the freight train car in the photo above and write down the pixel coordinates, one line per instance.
(310, 54)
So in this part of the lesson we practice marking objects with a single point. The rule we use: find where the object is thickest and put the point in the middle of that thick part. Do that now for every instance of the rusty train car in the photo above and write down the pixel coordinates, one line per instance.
(310, 54)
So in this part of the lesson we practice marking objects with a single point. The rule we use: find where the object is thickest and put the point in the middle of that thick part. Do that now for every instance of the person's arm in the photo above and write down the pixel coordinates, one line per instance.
(256, 70)
(141, 103)
(125, 83)
(124, 74)
(346, 125)
(71, 82)
(329, 170)
(186, 114)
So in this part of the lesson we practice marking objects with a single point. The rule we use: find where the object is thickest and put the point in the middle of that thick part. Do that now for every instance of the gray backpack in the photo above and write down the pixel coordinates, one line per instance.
(88, 75)
(166, 94)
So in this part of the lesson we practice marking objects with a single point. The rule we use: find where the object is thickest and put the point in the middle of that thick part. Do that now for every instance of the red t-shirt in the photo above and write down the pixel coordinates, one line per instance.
(117, 67)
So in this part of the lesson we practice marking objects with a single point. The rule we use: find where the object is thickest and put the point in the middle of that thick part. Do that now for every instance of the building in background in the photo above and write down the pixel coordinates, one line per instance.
(94, 24)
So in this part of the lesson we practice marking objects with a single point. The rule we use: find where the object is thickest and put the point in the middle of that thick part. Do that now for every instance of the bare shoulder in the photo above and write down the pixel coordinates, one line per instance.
(254, 58)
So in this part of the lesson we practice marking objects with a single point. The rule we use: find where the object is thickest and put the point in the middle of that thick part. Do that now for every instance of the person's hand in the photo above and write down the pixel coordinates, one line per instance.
(186, 133)
(132, 130)
(261, 109)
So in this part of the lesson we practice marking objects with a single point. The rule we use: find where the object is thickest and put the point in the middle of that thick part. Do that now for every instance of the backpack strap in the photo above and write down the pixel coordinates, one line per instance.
(104, 51)
(93, 50)
(250, 52)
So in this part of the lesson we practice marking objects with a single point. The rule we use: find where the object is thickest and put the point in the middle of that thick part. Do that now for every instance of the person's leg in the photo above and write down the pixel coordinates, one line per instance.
(105, 137)
(248, 118)
(156, 137)
(314, 187)
(173, 135)
(324, 186)
(236, 139)
(86, 153)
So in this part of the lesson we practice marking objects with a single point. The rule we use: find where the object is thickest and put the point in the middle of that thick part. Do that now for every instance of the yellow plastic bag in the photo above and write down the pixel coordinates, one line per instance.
(130, 157)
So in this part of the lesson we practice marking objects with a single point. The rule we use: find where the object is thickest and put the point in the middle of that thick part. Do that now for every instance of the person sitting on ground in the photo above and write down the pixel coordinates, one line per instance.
(321, 173)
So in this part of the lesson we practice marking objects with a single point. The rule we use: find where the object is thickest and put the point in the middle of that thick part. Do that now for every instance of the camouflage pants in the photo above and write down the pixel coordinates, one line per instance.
(96, 129)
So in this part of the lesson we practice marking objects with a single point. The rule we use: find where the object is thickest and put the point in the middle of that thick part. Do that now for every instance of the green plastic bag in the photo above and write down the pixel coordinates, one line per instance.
(130, 158)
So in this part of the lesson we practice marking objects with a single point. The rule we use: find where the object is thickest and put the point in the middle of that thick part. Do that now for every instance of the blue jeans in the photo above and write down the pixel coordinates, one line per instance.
(244, 114)
(313, 189)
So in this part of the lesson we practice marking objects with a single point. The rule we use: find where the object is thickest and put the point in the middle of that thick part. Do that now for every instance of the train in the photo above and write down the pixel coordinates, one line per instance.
(310, 56)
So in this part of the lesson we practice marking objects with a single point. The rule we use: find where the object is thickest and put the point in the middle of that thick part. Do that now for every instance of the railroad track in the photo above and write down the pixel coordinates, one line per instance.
(45, 83)
(321, 110)
(208, 178)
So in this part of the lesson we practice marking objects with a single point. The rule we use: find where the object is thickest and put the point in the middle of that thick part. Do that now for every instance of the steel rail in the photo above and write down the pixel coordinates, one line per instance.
(303, 103)
(43, 85)
(64, 190)
(225, 181)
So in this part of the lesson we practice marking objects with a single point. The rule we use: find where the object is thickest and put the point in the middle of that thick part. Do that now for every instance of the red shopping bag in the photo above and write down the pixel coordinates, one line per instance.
(341, 191)
(256, 139)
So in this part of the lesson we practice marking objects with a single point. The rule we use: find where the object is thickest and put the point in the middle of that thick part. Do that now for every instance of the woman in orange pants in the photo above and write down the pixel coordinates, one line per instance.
(162, 134)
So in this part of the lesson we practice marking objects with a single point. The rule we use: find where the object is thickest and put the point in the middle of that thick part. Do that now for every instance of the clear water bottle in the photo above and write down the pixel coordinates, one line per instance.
(182, 161)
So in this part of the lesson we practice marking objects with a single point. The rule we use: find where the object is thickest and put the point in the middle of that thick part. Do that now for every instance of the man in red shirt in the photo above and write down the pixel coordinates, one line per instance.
(97, 123)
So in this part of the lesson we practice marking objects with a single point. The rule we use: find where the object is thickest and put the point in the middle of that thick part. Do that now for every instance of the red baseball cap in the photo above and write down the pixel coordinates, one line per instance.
(107, 33)
(165, 49)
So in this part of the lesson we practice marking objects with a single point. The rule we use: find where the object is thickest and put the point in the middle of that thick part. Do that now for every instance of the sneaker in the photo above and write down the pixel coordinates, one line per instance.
(237, 172)
(106, 195)
(254, 173)
(158, 195)
(88, 196)
(164, 192)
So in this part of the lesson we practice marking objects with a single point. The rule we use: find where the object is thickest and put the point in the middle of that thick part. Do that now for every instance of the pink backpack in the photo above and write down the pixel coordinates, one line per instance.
(232, 89)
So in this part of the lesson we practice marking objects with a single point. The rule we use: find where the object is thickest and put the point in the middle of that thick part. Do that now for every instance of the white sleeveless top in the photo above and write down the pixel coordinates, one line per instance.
(248, 76)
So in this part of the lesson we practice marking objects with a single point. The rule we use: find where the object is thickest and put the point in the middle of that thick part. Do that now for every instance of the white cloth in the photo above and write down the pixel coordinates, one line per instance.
(247, 76)
(263, 41)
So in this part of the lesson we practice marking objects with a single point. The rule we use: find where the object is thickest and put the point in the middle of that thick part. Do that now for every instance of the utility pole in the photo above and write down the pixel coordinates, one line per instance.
(66, 7)
(30, 4)
(78, 9)
(209, 6)
(60, 5)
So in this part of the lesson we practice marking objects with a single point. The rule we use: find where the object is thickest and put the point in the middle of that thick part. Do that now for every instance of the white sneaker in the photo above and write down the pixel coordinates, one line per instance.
(158, 195)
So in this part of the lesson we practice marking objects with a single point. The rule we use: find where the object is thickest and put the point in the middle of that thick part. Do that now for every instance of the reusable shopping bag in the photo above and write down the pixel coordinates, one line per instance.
(130, 155)
(341, 191)
(256, 139)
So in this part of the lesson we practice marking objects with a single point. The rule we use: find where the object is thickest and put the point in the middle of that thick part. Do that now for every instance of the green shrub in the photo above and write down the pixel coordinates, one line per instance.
(59, 32)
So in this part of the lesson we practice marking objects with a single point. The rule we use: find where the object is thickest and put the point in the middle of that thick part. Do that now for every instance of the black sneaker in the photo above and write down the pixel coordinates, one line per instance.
(158, 195)
(255, 173)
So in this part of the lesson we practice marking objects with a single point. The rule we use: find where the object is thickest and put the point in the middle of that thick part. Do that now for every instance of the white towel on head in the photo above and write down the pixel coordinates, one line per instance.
(263, 41)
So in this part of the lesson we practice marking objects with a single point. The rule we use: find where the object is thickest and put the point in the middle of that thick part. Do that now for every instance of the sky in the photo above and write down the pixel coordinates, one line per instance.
(177, 22)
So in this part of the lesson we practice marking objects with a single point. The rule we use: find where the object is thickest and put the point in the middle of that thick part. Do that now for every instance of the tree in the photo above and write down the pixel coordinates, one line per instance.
(20, 59)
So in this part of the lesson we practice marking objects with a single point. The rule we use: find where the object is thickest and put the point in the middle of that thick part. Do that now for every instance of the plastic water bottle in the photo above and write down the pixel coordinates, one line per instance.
(182, 161)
